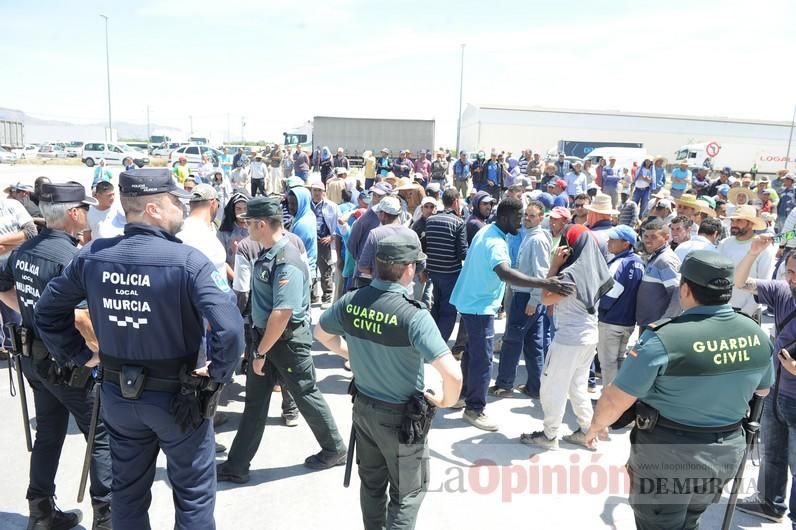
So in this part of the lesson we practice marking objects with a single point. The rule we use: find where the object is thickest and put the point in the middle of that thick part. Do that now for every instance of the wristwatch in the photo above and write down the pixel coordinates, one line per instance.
(258, 355)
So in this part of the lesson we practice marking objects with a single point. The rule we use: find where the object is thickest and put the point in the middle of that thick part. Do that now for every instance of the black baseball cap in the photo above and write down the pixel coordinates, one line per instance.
(709, 269)
(150, 181)
(66, 192)
(263, 208)
(400, 248)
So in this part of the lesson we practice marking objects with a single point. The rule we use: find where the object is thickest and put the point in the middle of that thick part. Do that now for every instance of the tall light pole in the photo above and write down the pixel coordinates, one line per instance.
(790, 139)
(108, 72)
(461, 90)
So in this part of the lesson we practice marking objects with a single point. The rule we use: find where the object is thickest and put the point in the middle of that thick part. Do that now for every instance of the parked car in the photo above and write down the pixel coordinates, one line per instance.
(27, 152)
(51, 151)
(165, 150)
(73, 149)
(113, 153)
(7, 157)
(193, 153)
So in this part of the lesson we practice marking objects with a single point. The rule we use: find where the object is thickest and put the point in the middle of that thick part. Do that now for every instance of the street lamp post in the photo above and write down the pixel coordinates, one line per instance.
(790, 139)
(461, 89)
(108, 72)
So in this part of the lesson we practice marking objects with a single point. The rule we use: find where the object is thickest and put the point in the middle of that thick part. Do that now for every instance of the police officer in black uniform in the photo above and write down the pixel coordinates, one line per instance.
(147, 294)
(24, 278)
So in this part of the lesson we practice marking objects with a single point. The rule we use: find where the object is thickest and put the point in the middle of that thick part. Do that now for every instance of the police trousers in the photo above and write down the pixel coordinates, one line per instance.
(138, 430)
(292, 362)
(384, 462)
(53, 405)
(675, 475)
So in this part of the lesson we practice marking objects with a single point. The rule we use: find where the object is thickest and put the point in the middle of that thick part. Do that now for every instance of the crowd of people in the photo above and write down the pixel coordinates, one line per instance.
(587, 265)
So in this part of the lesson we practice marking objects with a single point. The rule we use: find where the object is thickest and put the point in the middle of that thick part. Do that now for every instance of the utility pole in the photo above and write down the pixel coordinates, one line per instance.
(790, 138)
(229, 138)
(242, 129)
(108, 73)
(190, 118)
(148, 132)
(461, 91)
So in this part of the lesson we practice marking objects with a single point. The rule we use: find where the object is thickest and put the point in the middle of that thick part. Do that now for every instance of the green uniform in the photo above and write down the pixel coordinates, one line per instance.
(698, 370)
(389, 338)
(281, 280)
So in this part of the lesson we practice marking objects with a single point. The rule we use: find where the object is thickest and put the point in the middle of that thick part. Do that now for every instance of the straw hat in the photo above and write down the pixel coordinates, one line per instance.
(688, 200)
(732, 195)
(662, 193)
(704, 207)
(749, 213)
(602, 204)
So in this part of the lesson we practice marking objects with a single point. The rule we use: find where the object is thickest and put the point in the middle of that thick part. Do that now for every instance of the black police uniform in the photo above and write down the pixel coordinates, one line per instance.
(147, 294)
(30, 268)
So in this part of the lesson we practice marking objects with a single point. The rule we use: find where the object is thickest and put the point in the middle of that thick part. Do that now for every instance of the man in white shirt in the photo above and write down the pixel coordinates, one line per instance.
(706, 239)
(744, 223)
(107, 218)
(16, 226)
(258, 171)
(199, 231)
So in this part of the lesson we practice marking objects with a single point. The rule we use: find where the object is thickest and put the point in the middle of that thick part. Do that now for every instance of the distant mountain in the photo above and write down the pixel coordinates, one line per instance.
(43, 130)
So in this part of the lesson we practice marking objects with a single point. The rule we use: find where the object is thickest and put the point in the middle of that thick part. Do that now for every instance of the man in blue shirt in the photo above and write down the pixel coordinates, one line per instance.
(617, 309)
(477, 296)
(461, 174)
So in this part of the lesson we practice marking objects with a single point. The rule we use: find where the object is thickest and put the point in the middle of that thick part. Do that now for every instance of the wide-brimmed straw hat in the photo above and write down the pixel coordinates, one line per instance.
(747, 212)
(602, 204)
(732, 195)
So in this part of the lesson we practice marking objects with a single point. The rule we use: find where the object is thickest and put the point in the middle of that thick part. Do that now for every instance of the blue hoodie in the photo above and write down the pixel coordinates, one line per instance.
(305, 225)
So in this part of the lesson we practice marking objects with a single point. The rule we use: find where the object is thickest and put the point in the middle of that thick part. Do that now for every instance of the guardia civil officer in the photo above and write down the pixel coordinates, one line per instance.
(26, 274)
(388, 337)
(280, 307)
(147, 294)
(693, 377)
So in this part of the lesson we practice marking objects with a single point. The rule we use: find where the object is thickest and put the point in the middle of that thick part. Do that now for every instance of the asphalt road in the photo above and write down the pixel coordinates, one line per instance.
(478, 479)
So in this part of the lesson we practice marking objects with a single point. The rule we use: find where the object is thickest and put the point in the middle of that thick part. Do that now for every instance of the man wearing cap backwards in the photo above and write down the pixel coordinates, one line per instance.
(22, 192)
(617, 309)
(743, 224)
(147, 294)
(388, 338)
(681, 179)
(199, 232)
(478, 294)
(388, 210)
(280, 298)
(695, 374)
(31, 266)
(367, 222)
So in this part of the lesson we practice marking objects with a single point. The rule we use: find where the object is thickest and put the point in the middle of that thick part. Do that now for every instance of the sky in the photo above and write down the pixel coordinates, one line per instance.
(275, 65)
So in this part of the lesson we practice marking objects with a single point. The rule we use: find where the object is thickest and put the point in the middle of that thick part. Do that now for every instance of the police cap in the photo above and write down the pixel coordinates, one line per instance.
(709, 270)
(149, 181)
(66, 192)
(400, 248)
(263, 208)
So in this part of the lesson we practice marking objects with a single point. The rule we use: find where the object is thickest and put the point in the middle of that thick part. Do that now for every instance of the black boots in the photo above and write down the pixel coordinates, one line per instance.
(44, 515)
(102, 516)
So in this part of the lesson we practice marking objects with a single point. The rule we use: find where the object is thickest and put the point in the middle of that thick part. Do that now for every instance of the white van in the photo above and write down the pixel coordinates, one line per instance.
(113, 153)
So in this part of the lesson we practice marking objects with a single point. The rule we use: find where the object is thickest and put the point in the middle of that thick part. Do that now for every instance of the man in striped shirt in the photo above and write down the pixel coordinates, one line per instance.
(446, 248)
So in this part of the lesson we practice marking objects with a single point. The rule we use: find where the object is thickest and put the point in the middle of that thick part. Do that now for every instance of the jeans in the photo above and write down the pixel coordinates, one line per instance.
(611, 346)
(442, 311)
(787, 409)
(776, 430)
(641, 196)
(477, 360)
(527, 335)
(258, 185)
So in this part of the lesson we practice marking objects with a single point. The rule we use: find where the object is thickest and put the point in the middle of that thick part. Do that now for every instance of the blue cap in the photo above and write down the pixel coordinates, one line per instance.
(149, 181)
(623, 233)
(546, 199)
(724, 189)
